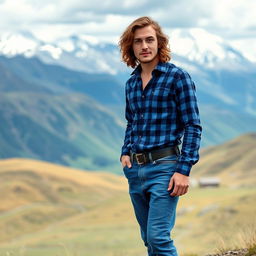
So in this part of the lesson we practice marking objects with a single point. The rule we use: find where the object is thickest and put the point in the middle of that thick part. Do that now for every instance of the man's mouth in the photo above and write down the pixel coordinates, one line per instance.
(145, 53)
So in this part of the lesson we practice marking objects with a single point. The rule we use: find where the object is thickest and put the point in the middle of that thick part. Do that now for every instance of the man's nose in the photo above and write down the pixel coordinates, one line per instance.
(144, 45)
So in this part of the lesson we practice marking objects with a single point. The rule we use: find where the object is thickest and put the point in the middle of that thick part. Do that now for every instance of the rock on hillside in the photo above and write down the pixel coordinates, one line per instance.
(240, 252)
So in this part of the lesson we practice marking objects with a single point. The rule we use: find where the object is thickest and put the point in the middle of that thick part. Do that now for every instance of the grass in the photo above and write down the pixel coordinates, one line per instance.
(213, 216)
(55, 211)
(109, 228)
(251, 242)
(251, 251)
(245, 239)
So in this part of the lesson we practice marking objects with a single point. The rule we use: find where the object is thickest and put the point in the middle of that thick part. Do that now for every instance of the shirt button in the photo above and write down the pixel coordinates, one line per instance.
(141, 116)
(143, 96)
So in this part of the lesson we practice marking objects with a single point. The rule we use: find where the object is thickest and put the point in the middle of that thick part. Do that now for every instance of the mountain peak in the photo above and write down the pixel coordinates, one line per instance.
(20, 43)
(203, 47)
(87, 53)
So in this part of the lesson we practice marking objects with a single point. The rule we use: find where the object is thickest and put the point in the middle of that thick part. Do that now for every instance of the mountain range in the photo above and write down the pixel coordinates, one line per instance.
(46, 114)
(64, 101)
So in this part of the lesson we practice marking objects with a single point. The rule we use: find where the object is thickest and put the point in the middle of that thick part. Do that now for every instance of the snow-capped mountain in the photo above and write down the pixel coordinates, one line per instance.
(81, 53)
(224, 78)
(222, 73)
(209, 50)
(86, 53)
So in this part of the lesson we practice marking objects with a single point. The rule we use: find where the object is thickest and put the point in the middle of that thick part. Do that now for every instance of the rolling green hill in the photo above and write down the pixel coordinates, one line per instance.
(233, 162)
(52, 210)
(51, 113)
(70, 129)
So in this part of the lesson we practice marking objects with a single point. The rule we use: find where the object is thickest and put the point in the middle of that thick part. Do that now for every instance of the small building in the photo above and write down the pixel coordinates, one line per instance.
(206, 182)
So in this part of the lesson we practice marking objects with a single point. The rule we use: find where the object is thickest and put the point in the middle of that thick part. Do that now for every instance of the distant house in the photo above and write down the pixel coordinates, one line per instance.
(209, 182)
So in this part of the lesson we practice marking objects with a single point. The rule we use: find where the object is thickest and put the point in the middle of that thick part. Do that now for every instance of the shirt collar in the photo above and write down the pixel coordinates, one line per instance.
(137, 70)
(161, 66)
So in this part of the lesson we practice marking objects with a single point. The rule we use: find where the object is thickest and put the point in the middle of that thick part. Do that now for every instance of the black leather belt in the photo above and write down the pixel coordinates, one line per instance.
(148, 157)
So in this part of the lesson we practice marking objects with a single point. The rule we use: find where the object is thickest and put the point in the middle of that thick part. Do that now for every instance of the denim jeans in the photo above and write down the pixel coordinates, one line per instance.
(154, 208)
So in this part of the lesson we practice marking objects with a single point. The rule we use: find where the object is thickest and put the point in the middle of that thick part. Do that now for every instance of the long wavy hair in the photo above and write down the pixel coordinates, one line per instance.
(126, 41)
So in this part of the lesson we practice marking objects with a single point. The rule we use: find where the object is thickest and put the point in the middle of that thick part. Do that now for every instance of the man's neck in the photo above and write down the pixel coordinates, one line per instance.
(147, 68)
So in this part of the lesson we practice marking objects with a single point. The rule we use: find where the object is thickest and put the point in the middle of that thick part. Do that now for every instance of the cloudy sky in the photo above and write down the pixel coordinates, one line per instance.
(233, 20)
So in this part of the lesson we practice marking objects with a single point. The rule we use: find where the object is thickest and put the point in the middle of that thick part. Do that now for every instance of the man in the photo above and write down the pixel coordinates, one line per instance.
(161, 107)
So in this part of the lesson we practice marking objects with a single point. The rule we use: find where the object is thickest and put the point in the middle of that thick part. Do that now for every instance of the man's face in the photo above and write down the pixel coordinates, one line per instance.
(145, 45)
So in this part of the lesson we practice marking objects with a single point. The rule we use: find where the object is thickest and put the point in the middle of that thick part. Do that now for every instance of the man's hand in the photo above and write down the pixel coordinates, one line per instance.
(180, 183)
(126, 161)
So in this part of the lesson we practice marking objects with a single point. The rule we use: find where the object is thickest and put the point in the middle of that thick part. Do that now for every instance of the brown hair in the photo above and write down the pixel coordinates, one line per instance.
(126, 41)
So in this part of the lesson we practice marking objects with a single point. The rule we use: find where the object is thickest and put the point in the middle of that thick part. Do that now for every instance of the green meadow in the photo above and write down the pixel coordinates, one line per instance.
(53, 210)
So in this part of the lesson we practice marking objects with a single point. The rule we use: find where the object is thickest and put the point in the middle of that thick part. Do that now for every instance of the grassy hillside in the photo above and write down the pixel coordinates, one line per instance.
(50, 113)
(222, 124)
(39, 195)
(69, 129)
(233, 162)
(52, 210)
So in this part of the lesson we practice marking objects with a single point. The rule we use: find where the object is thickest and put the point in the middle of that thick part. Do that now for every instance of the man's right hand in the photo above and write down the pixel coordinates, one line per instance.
(126, 161)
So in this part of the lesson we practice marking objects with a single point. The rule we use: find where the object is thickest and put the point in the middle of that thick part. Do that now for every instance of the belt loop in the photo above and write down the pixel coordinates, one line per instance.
(131, 156)
(150, 157)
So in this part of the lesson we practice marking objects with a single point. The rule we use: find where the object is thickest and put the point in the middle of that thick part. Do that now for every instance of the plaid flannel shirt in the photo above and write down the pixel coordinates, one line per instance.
(162, 113)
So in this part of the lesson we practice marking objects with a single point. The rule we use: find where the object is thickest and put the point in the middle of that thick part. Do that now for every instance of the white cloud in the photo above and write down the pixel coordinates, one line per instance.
(106, 20)
(230, 14)
(107, 31)
(236, 14)
(247, 47)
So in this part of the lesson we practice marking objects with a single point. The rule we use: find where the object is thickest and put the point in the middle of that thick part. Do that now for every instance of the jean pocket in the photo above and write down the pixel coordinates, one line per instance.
(125, 169)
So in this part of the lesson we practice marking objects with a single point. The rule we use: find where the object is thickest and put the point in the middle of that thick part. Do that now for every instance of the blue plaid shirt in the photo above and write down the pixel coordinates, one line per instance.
(162, 113)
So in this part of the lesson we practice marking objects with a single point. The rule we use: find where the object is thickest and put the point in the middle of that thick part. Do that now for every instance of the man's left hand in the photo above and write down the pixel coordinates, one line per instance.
(180, 183)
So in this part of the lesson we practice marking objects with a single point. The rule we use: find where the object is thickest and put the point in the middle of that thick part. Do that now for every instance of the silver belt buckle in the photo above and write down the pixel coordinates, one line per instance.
(140, 158)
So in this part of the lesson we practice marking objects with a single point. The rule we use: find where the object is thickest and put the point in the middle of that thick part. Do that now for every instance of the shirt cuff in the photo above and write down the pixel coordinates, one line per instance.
(183, 168)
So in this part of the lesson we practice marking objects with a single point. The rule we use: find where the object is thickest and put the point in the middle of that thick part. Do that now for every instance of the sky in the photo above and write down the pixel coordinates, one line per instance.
(105, 20)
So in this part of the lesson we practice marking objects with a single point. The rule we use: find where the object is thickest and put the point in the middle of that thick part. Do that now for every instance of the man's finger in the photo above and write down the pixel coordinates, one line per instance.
(183, 191)
(123, 163)
(180, 190)
(128, 163)
(186, 189)
(170, 185)
(175, 190)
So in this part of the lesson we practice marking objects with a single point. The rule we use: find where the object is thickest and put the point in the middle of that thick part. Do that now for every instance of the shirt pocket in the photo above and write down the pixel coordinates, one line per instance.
(160, 97)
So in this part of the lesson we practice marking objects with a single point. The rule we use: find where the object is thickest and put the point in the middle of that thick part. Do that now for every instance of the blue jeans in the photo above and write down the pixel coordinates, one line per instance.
(154, 208)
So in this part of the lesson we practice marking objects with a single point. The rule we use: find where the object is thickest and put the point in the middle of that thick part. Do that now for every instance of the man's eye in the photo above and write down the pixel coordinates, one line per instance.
(150, 40)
